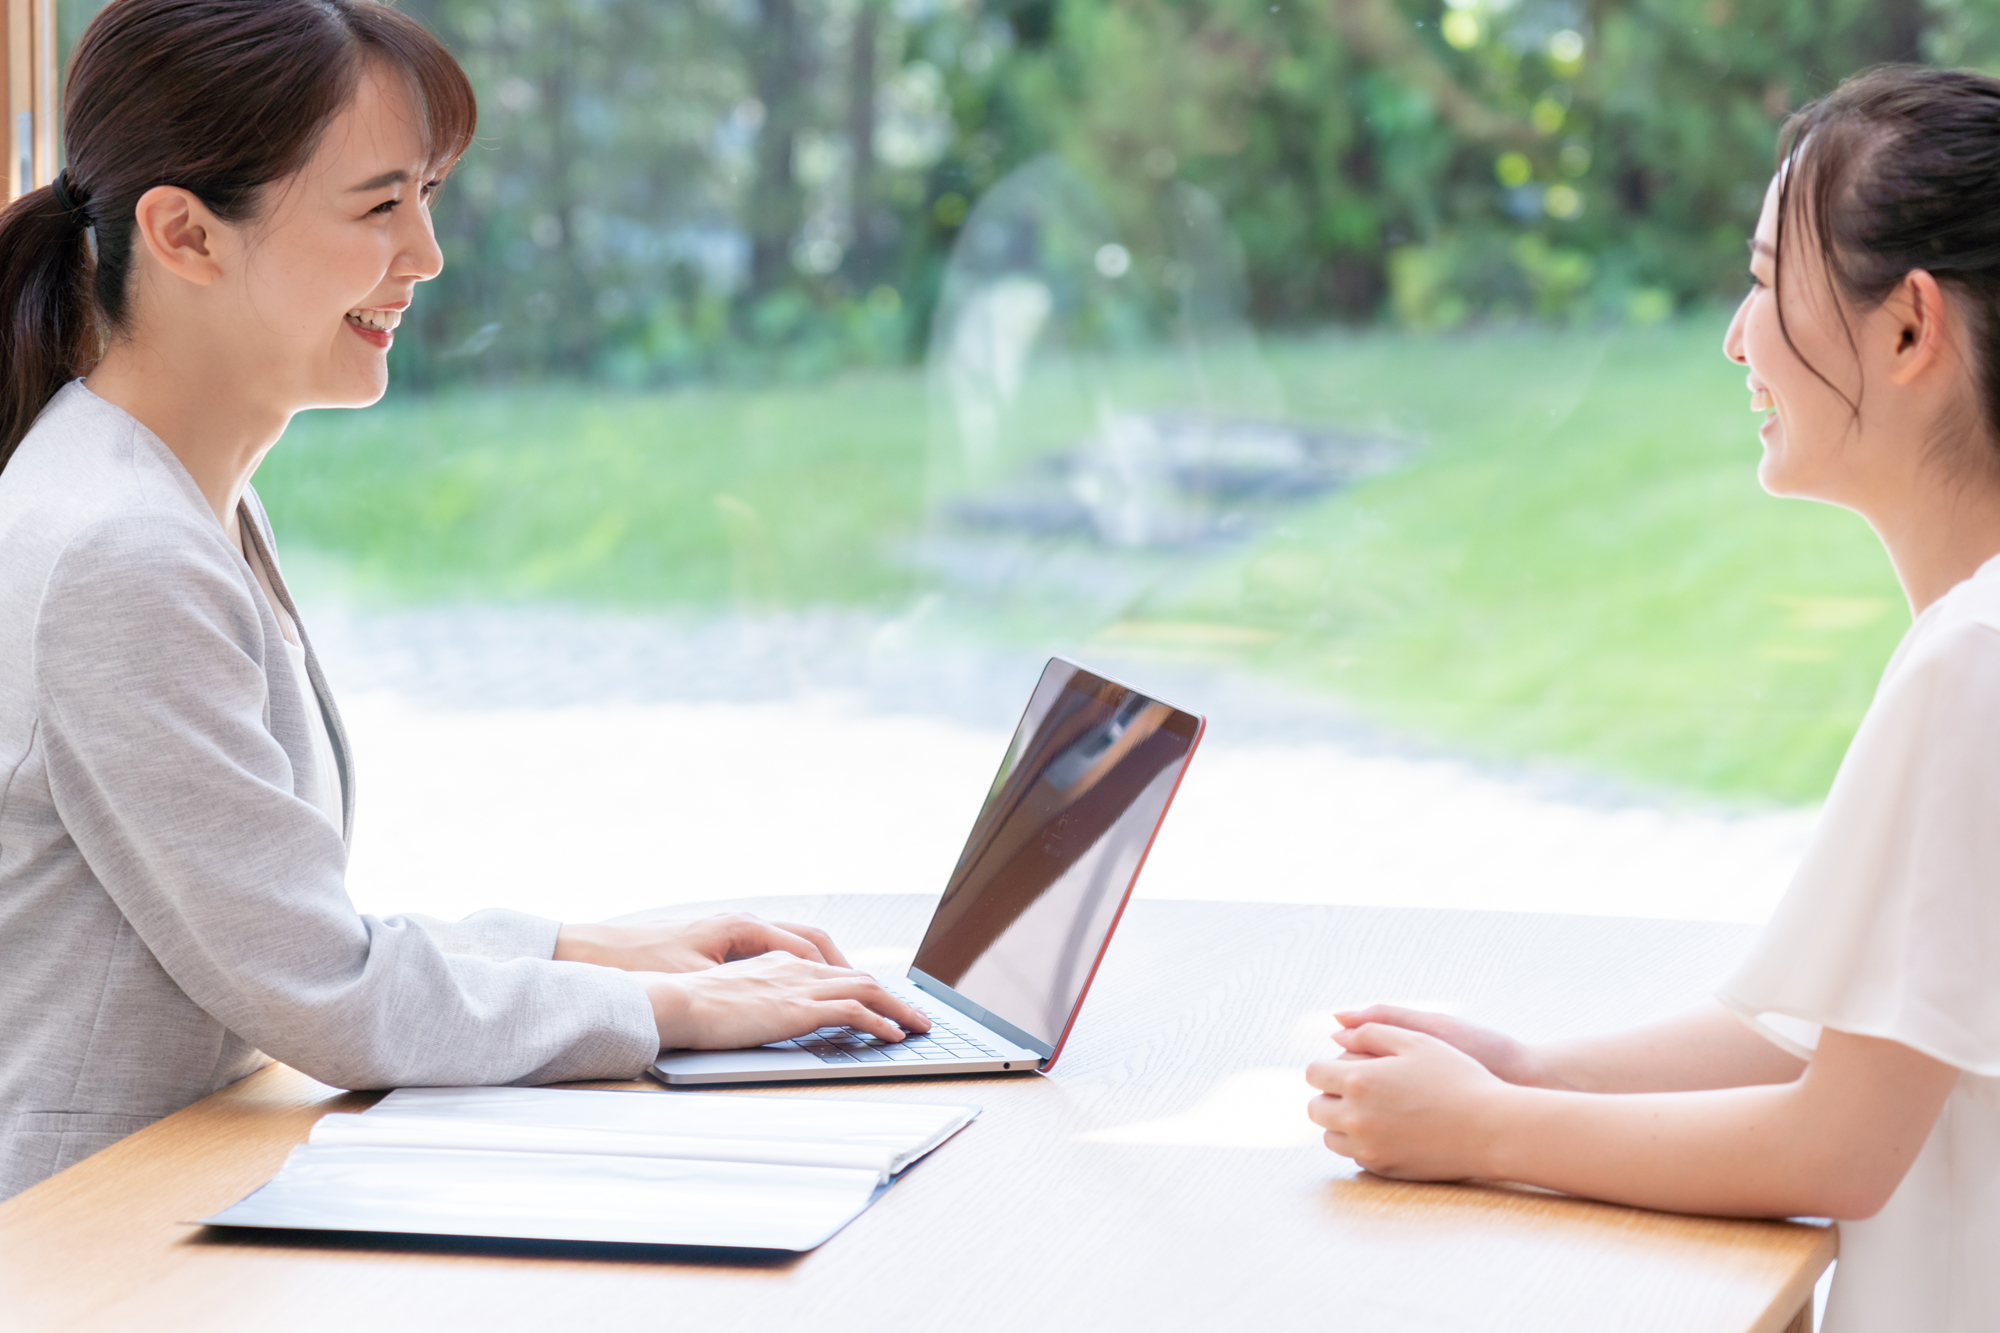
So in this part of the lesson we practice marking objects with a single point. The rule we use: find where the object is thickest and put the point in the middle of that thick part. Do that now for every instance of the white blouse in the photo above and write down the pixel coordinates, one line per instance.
(1892, 929)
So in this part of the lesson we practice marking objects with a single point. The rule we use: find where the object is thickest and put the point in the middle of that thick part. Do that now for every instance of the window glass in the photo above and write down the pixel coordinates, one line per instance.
(805, 372)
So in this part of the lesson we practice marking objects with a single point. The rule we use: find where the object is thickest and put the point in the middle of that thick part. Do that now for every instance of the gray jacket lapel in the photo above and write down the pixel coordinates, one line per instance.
(252, 513)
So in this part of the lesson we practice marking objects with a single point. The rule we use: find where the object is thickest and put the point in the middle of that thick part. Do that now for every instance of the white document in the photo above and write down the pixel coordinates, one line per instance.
(649, 1168)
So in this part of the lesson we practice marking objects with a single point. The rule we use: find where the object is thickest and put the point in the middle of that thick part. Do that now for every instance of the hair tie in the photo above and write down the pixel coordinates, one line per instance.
(77, 209)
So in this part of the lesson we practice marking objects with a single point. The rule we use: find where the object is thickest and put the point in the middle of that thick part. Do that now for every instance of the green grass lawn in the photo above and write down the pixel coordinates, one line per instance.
(1580, 566)
(778, 497)
(1577, 564)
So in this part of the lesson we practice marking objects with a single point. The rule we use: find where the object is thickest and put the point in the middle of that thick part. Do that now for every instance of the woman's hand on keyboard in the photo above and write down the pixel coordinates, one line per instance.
(691, 946)
(771, 998)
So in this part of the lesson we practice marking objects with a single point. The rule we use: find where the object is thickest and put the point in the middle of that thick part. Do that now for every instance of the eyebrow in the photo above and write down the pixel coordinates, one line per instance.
(387, 178)
(1758, 247)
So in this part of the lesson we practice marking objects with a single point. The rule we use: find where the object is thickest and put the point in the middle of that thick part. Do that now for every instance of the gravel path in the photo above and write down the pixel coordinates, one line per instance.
(583, 765)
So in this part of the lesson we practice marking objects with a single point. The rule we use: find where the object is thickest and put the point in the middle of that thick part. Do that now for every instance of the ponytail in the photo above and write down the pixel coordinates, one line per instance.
(48, 325)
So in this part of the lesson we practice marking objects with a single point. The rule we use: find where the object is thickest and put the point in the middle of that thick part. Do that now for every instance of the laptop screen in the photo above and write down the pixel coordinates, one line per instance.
(1056, 848)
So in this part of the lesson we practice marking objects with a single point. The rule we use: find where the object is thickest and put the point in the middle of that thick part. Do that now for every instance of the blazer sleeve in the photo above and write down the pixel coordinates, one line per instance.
(152, 695)
(495, 933)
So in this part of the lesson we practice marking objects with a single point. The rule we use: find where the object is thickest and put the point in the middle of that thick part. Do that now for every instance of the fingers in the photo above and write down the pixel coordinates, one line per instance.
(752, 935)
(1395, 1015)
(819, 939)
(1326, 1075)
(1335, 1116)
(1379, 1039)
(861, 989)
(832, 985)
(752, 997)
(854, 1014)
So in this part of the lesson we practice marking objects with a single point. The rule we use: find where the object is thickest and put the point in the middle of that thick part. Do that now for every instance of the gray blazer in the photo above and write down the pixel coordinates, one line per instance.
(172, 912)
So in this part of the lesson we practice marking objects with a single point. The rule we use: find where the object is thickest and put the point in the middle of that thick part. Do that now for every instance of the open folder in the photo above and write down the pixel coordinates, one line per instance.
(771, 1173)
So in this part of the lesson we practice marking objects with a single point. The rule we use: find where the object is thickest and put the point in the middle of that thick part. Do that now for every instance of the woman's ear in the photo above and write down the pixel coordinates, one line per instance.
(179, 233)
(1916, 316)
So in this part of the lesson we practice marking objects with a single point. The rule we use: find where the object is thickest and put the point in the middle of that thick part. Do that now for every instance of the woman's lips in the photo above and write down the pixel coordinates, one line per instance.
(377, 326)
(373, 337)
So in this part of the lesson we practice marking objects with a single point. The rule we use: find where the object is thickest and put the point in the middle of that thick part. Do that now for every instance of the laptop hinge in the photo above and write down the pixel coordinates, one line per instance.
(985, 1017)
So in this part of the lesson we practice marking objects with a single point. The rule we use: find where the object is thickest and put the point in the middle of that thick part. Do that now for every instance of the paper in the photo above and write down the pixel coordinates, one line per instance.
(887, 1136)
(639, 1168)
(565, 1196)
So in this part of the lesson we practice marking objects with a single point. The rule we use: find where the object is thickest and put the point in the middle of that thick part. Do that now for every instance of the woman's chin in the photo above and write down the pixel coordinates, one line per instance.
(1774, 476)
(362, 390)
(1785, 478)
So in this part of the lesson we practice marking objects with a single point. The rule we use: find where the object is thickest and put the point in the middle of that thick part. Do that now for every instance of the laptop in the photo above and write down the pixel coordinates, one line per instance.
(1027, 915)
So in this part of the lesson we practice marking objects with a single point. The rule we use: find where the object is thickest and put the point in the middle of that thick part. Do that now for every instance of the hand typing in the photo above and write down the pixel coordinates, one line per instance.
(692, 946)
(771, 998)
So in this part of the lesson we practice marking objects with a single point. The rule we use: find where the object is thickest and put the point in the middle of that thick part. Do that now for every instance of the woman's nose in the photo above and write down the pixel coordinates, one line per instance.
(422, 259)
(1732, 341)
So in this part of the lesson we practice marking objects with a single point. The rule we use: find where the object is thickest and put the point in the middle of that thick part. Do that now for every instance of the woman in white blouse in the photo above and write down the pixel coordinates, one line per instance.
(1852, 1067)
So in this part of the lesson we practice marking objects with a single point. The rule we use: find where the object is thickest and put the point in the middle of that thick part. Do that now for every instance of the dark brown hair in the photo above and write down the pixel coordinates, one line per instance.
(1898, 169)
(222, 98)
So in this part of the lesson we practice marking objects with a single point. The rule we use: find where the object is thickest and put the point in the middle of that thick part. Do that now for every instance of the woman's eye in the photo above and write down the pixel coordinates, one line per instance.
(385, 207)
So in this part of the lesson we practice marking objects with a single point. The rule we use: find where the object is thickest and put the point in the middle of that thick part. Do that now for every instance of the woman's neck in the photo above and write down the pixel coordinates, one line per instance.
(218, 435)
(1940, 532)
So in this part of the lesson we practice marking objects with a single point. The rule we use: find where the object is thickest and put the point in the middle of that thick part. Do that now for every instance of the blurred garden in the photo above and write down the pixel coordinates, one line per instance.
(1370, 345)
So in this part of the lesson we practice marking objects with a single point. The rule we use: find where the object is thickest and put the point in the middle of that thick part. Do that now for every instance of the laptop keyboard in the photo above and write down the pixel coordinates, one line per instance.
(843, 1046)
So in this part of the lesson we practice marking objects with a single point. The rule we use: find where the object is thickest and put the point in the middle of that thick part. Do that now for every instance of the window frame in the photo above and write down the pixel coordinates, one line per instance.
(28, 66)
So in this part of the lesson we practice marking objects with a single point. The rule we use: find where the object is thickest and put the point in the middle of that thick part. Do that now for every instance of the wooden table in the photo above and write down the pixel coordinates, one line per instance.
(1163, 1177)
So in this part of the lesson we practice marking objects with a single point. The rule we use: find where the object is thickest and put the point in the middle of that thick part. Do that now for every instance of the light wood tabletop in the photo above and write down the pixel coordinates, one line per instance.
(1163, 1177)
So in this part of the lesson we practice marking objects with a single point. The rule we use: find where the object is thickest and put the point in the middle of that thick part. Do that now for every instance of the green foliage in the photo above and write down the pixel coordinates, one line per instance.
(671, 191)
(1539, 158)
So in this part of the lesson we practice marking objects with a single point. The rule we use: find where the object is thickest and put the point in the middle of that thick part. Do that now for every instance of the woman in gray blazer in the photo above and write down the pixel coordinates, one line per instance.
(243, 220)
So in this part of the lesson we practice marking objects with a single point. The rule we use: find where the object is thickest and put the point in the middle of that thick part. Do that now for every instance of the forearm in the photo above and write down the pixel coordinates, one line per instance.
(1834, 1142)
(1703, 1049)
(411, 1015)
(1733, 1151)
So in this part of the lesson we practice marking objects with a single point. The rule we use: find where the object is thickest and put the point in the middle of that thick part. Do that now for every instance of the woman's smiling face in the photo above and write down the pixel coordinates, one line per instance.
(1809, 424)
(335, 259)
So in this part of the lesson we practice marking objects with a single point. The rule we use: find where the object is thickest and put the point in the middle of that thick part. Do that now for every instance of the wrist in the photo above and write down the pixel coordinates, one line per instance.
(1543, 1067)
(583, 944)
(1507, 1119)
(671, 1003)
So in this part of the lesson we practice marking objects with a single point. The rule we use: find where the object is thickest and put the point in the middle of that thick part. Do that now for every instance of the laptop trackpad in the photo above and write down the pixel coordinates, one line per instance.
(752, 1061)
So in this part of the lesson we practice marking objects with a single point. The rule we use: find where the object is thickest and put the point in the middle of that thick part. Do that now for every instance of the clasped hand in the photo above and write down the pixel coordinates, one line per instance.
(1412, 1094)
(722, 982)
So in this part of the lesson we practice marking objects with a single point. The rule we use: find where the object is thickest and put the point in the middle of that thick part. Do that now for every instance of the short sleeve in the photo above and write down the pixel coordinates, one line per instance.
(1892, 926)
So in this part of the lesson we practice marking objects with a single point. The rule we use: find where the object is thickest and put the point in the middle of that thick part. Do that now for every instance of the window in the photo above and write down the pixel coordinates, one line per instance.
(30, 72)
(804, 371)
